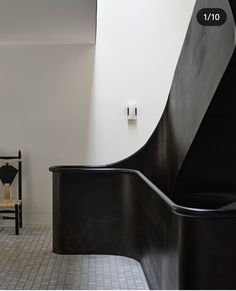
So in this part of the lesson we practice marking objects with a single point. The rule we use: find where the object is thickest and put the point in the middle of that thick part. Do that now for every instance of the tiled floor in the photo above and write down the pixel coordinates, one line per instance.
(27, 262)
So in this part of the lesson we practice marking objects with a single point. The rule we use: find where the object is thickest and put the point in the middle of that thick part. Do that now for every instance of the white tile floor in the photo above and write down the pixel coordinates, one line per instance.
(27, 262)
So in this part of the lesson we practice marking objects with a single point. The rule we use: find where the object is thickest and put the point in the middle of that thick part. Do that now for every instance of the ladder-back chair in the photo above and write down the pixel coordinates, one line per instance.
(8, 205)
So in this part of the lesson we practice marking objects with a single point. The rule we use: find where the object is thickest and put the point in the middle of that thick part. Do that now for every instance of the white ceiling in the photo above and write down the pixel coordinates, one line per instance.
(47, 21)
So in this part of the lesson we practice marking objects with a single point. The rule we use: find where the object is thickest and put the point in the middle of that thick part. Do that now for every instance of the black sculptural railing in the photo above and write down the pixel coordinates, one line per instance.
(120, 212)
(183, 234)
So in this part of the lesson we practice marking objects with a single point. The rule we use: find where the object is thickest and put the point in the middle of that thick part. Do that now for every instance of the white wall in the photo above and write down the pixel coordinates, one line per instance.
(138, 45)
(65, 104)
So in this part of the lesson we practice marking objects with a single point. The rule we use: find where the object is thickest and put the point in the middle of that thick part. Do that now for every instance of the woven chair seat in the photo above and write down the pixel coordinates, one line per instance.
(9, 203)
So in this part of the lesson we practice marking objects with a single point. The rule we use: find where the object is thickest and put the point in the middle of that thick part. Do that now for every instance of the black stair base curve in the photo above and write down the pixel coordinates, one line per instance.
(171, 204)
(120, 212)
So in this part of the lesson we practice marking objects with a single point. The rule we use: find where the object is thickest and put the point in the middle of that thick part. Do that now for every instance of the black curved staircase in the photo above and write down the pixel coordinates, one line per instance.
(170, 205)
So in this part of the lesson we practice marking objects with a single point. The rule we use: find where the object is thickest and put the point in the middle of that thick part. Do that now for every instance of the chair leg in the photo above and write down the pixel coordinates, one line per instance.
(17, 219)
(20, 215)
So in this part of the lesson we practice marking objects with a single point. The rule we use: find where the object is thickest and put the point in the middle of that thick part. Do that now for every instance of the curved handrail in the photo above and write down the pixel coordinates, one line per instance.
(178, 209)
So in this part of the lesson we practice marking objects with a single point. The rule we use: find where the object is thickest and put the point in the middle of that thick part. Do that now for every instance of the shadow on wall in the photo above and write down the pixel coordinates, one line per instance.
(46, 93)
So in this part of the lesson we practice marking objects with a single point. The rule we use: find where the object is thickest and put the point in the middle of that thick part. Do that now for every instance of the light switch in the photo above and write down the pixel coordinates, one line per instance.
(132, 111)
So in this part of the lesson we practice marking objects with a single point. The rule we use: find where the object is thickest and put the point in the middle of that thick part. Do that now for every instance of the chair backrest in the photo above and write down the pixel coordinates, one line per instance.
(8, 173)
(7, 192)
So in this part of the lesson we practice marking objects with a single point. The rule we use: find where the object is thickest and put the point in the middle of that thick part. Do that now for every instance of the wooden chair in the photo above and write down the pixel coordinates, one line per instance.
(7, 175)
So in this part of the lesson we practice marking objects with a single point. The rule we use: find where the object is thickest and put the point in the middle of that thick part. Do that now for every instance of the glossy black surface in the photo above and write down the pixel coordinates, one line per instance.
(120, 212)
(184, 234)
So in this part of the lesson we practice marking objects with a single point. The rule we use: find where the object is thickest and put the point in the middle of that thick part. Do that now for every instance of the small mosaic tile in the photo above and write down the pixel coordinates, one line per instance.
(28, 263)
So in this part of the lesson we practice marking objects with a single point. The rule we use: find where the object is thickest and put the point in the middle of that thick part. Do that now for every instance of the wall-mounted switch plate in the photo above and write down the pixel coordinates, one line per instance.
(132, 112)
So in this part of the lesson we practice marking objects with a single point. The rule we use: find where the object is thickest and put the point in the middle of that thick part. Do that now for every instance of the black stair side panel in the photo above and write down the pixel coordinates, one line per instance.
(203, 60)
(210, 165)
(233, 8)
